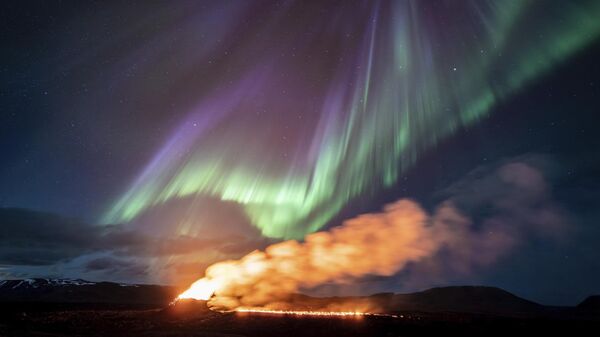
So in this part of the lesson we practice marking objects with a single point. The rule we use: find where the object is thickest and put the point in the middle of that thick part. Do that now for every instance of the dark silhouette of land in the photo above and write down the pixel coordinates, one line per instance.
(42, 307)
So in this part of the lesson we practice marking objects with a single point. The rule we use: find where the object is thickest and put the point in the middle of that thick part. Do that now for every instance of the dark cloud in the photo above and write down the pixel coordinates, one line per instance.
(515, 193)
(106, 262)
(126, 268)
(133, 243)
(30, 240)
(491, 213)
(37, 238)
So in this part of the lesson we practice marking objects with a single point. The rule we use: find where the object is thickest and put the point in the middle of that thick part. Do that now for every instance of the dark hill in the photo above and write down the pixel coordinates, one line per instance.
(590, 304)
(473, 299)
(81, 291)
(464, 299)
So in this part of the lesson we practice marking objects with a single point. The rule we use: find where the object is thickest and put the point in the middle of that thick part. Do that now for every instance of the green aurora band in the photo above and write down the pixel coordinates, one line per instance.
(413, 73)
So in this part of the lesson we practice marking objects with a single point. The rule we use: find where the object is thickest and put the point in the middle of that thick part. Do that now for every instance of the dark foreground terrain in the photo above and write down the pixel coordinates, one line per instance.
(174, 322)
(464, 311)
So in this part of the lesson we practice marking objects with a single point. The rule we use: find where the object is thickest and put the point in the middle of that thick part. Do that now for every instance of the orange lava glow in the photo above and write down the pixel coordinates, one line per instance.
(354, 314)
(202, 289)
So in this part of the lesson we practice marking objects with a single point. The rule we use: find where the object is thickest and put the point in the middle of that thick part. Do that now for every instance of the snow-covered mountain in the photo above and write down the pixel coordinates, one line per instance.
(82, 291)
(49, 282)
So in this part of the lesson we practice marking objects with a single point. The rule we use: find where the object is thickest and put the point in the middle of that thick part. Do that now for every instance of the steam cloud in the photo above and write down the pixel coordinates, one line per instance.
(382, 244)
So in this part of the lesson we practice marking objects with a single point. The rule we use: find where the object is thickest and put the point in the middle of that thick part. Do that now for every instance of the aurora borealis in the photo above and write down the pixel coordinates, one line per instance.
(346, 101)
(144, 141)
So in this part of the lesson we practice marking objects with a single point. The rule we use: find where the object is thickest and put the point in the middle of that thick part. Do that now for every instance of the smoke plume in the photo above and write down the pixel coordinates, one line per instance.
(382, 244)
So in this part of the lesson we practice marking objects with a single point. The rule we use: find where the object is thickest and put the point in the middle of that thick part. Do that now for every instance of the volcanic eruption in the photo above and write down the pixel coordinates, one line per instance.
(379, 244)
(371, 244)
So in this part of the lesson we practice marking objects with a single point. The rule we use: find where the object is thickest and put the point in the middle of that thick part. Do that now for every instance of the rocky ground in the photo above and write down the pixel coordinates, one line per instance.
(194, 319)
(46, 307)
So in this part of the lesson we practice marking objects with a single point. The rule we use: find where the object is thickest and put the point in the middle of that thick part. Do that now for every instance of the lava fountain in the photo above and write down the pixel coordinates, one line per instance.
(202, 289)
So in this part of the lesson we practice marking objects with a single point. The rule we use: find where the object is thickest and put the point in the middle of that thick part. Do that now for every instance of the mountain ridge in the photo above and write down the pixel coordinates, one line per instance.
(57, 290)
(467, 299)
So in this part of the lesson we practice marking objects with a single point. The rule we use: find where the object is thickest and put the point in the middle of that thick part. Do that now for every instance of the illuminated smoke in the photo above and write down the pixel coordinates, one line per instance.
(518, 203)
(515, 195)
(371, 244)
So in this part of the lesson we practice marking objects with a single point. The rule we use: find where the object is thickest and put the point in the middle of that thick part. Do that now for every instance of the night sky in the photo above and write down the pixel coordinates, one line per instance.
(143, 141)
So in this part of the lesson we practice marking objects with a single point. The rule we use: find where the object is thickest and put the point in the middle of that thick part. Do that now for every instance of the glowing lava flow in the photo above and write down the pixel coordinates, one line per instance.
(311, 313)
(204, 289)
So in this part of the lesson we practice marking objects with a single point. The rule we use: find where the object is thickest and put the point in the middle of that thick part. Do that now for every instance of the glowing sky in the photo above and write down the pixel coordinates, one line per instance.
(316, 107)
